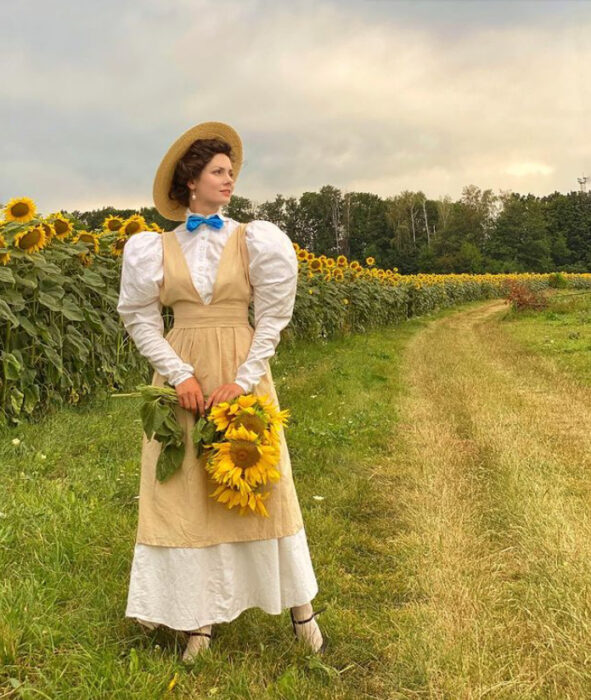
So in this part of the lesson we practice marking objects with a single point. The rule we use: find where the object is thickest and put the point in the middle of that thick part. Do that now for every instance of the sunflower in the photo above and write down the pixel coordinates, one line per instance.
(4, 257)
(91, 240)
(62, 226)
(251, 421)
(134, 224)
(370, 261)
(295, 245)
(316, 265)
(49, 230)
(31, 240)
(302, 254)
(112, 224)
(271, 412)
(243, 462)
(117, 246)
(330, 262)
(354, 265)
(310, 256)
(342, 261)
(155, 227)
(21, 209)
(252, 500)
(338, 274)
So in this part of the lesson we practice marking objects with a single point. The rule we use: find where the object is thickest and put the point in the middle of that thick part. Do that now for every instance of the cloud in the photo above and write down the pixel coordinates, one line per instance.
(375, 96)
(525, 169)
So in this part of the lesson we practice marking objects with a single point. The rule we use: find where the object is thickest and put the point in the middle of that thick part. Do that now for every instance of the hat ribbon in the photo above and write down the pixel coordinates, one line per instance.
(195, 220)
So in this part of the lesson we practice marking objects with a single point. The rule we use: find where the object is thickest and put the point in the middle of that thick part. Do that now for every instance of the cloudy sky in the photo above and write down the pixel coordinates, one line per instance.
(366, 95)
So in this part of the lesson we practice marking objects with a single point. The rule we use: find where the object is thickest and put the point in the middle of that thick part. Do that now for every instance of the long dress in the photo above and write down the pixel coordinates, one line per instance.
(186, 587)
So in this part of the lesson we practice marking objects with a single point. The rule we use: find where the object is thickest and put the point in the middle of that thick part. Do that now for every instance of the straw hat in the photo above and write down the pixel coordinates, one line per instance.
(169, 208)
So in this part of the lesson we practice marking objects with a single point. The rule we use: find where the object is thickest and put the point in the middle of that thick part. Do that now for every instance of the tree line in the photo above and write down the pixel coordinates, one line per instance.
(480, 232)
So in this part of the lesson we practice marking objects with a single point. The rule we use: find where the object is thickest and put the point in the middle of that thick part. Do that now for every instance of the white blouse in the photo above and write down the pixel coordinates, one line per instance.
(273, 269)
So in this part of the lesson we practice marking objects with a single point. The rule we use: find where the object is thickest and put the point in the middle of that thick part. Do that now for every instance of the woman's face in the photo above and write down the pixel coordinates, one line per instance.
(214, 186)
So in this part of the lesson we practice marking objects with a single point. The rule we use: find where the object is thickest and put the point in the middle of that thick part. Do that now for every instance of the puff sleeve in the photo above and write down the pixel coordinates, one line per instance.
(140, 308)
(273, 269)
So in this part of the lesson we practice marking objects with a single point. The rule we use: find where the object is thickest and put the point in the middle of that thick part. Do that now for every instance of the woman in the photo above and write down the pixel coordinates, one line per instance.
(195, 562)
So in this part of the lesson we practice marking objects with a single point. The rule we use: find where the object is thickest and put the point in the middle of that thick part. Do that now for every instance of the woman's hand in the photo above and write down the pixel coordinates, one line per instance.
(190, 395)
(225, 392)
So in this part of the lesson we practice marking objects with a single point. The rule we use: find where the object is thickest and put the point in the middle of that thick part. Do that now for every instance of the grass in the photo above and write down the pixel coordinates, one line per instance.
(451, 546)
(68, 512)
(561, 333)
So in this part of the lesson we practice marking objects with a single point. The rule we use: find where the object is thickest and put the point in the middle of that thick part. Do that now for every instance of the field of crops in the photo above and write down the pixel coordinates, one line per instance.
(61, 338)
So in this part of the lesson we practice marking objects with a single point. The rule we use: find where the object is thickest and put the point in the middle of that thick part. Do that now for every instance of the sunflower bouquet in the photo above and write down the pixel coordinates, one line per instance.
(240, 438)
(243, 462)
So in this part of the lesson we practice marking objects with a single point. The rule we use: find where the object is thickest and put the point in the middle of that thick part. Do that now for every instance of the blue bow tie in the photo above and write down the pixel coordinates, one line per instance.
(195, 220)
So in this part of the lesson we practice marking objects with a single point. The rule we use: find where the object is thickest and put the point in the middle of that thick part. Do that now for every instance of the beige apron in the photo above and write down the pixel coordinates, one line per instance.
(215, 339)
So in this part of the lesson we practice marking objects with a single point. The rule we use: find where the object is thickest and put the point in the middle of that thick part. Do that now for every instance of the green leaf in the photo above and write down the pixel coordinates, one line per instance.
(12, 367)
(52, 285)
(6, 313)
(32, 396)
(41, 263)
(172, 426)
(159, 416)
(44, 333)
(6, 275)
(71, 310)
(147, 412)
(16, 400)
(209, 432)
(94, 320)
(93, 279)
(169, 460)
(13, 298)
(52, 356)
(28, 282)
(50, 300)
(77, 342)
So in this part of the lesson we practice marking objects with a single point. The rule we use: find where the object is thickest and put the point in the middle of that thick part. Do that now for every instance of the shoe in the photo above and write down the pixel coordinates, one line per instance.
(295, 622)
(198, 643)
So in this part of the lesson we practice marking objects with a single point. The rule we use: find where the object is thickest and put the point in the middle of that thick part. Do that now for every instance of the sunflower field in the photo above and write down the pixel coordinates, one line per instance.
(61, 338)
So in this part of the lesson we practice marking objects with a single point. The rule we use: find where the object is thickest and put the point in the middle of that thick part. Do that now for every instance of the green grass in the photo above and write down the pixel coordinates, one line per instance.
(561, 333)
(445, 464)
(67, 525)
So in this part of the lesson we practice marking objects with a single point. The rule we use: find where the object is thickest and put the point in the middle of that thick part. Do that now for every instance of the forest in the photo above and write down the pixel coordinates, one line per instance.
(481, 232)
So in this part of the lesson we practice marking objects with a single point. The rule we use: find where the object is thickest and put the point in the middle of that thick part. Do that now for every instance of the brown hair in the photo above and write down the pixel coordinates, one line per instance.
(197, 156)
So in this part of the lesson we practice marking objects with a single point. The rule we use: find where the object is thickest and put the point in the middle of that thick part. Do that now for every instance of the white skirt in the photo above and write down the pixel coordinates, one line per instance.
(186, 588)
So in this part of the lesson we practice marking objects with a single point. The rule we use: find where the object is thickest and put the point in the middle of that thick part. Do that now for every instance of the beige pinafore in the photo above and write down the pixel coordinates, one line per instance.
(215, 339)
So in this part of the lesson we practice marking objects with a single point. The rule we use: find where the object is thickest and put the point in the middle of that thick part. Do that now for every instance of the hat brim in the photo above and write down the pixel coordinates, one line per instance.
(170, 209)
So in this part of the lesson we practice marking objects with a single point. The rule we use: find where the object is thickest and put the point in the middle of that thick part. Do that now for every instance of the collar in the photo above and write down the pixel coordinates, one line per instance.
(188, 213)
